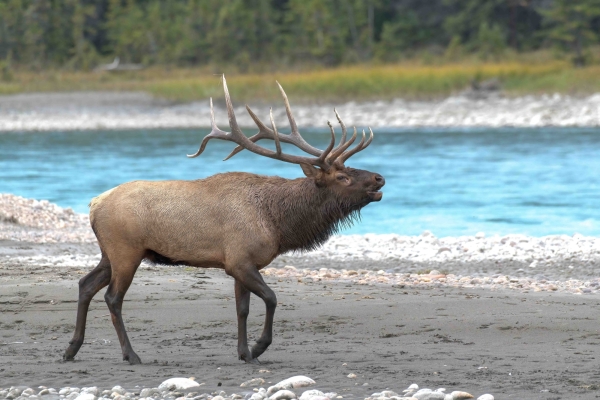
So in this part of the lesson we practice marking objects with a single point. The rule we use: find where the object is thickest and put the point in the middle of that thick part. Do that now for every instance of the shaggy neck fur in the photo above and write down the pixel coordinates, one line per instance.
(304, 214)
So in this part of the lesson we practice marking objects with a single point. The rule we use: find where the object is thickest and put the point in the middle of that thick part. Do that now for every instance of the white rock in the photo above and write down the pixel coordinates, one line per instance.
(458, 395)
(283, 395)
(421, 393)
(178, 384)
(486, 397)
(413, 387)
(92, 390)
(296, 382)
(257, 396)
(428, 394)
(291, 383)
(253, 382)
(147, 392)
(307, 394)
(85, 396)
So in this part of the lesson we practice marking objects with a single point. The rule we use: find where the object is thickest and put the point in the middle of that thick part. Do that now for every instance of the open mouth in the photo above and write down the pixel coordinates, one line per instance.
(375, 196)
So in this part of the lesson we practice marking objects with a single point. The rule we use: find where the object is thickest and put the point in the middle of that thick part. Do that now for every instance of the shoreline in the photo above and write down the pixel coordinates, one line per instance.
(137, 110)
(36, 232)
(365, 317)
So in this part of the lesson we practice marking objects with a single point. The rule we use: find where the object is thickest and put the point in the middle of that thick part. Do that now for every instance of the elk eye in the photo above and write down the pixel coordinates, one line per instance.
(342, 178)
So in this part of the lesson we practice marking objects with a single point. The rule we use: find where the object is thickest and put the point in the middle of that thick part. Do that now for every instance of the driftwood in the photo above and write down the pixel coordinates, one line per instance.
(116, 65)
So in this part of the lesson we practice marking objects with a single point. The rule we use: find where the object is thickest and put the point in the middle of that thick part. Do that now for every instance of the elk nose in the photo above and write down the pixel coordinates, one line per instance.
(379, 179)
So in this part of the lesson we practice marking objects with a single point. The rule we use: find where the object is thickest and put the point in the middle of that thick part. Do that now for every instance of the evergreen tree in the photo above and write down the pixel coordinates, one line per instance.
(570, 26)
(265, 34)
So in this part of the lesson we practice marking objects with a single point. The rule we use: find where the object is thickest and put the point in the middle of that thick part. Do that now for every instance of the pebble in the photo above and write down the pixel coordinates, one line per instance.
(86, 396)
(169, 390)
(253, 382)
(312, 394)
(44, 222)
(177, 384)
(457, 395)
(51, 223)
(458, 110)
(291, 383)
(282, 395)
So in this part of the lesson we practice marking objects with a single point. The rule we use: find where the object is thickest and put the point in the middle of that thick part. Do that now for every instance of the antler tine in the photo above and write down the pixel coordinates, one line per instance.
(344, 133)
(215, 133)
(359, 147)
(263, 133)
(341, 147)
(275, 134)
(267, 133)
(288, 111)
(235, 129)
(237, 136)
(301, 143)
(323, 157)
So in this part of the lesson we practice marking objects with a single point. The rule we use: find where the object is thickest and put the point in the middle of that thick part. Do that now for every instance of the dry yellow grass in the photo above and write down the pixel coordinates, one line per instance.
(347, 83)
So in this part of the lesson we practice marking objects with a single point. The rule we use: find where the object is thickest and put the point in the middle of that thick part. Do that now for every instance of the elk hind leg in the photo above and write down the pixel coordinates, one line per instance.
(252, 280)
(122, 275)
(89, 285)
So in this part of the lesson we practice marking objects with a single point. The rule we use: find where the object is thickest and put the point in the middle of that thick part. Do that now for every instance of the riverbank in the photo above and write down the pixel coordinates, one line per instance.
(511, 316)
(137, 110)
(519, 261)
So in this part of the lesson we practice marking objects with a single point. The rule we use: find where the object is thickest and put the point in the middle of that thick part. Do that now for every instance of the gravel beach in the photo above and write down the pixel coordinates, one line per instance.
(364, 317)
(137, 110)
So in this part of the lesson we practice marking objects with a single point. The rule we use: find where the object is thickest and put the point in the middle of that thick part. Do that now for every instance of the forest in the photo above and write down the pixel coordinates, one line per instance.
(320, 49)
(266, 35)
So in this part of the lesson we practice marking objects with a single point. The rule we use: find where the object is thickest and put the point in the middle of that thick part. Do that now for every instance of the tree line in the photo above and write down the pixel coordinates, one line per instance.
(253, 35)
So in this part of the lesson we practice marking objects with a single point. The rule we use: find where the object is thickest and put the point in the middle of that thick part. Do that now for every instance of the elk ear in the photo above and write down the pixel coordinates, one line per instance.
(310, 171)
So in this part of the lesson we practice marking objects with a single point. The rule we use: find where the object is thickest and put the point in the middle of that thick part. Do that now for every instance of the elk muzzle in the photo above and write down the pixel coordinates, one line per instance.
(379, 182)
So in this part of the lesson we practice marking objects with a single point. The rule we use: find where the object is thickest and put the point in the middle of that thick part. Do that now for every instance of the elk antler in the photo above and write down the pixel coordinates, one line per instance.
(324, 158)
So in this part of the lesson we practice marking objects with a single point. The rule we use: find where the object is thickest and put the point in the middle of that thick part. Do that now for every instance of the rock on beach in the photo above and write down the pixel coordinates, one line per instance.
(170, 390)
(79, 111)
(33, 221)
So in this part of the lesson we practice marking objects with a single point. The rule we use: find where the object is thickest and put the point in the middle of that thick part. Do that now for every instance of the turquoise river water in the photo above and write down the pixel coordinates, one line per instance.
(451, 182)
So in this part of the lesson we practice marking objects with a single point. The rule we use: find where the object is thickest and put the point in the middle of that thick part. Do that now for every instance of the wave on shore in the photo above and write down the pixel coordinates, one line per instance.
(135, 110)
(36, 221)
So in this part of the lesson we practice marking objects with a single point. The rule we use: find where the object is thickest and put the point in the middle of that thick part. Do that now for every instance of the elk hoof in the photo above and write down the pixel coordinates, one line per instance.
(69, 354)
(132, 358)
(247, 358)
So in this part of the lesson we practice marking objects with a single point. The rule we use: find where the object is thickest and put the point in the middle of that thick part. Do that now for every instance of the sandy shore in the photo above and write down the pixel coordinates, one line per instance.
(182, 323)
(390, 321)
(136, 110)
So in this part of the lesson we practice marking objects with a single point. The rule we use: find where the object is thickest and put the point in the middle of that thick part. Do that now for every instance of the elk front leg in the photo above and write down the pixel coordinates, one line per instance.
(242, 304)
(252, 280)
(89, 285)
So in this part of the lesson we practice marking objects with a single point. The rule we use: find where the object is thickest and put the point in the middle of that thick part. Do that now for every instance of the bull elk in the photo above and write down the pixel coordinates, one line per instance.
(235, 221)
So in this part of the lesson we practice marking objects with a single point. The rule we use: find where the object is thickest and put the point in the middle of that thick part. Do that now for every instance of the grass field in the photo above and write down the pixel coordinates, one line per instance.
(407, 80)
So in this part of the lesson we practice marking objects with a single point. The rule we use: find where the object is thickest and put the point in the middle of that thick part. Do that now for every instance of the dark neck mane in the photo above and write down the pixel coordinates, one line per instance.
(304, 215)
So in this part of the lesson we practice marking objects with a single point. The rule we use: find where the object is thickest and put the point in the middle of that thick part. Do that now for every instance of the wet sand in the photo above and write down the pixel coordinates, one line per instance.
(181, 322)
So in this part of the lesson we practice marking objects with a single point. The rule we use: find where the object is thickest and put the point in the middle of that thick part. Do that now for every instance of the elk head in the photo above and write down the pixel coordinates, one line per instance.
(355, 187)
